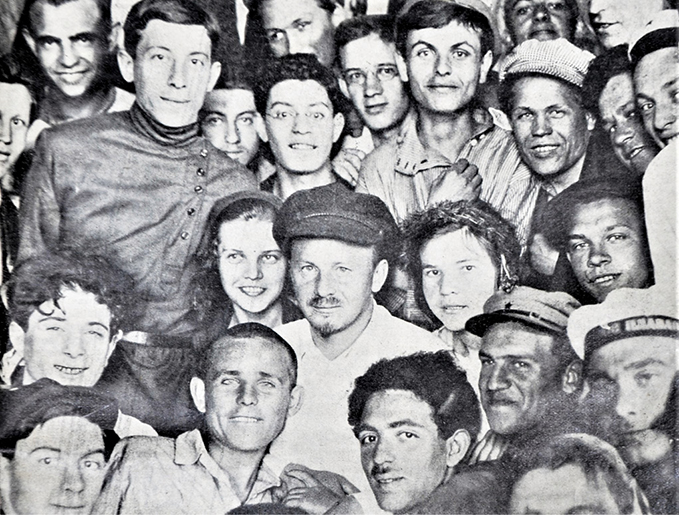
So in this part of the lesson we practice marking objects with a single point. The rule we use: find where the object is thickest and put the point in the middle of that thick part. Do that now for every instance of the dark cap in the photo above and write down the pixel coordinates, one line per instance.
(540, 309)
(335, 213)
(26, 407)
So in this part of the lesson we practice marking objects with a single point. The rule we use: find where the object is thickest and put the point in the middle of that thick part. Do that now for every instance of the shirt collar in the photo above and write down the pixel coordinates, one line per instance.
(414, 157)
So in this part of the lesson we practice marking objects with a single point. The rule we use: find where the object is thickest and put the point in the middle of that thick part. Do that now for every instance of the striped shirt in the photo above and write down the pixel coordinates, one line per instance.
(402, 171)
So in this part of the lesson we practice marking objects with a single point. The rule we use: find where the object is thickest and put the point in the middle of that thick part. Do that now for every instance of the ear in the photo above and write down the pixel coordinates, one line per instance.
(591, 121)
(296, 400)
(380, 275)
(30, 41)
(457, 447)
(337, 126)
(402, 67)
(197, 387)
(215, 70)
(486, 63)
(343, 87)
(112, 344)
(18, 337)
(260, 129)
(126, 65)
(572, 377)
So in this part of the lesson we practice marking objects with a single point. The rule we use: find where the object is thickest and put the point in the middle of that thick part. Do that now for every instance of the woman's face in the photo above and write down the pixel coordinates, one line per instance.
(251, 265)
(458, 277)
(618, 110)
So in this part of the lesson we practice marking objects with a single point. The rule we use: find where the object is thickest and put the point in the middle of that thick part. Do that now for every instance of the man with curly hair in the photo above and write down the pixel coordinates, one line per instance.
(302, 108)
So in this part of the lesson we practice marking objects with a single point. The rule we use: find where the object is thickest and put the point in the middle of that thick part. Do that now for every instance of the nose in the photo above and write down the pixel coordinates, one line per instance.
(177, 76)
(72, 479)
(232, 134)
(665, 115)
(298, 43)
(6, 130)
(324, 284)
(624, 132)
(443, 66)
(541, 125)
(302, 124)
(598, 255)
(247, 395)
(540, 12)
(449, 284)
(254, 269)
(73, 345)
(497, 379)
(68, 56)
(373, 85)
(628, 402)
(383, 452)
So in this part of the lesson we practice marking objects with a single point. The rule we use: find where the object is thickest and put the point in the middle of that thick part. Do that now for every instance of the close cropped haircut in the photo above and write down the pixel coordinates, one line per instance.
(43, 277)
(602, 69)
(31, 7)
(181, 12)
(507, 90)
(439, 13)
(596, 458)
(299, 67)
(432, 377)
(363, 26)
(240, 332)
(480, 220)
(327, 5)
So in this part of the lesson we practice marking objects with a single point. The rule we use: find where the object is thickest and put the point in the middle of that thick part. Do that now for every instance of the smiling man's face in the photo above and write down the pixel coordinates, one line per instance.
(68, 341)
(172, 71)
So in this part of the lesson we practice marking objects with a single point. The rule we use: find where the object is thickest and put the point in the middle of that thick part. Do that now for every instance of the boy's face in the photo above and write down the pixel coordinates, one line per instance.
(68, 341)
(58, 469)
(15, 111)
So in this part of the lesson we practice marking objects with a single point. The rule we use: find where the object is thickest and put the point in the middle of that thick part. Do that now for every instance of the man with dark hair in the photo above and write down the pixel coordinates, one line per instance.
(599, 227)
(303, 110)
(446, 51)
(74, 46)
(530, 376)
(366, 58)
(138, 186)
(55, 442)
(629, 347)
(654, 55)
(540, 19)
(246, 387)
(574, 473)
(416, 417)
(300, 27)
(340, 245)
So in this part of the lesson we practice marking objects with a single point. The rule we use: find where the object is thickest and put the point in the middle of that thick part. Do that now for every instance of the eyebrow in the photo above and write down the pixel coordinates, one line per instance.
(609, 228)
(52, 318)
(643, 363)
(404, 422)
(46, 448)
(103, 326)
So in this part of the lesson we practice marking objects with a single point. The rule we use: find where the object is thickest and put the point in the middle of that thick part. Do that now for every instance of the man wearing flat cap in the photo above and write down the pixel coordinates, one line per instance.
(55, 442)
(540, 91)
(629, 344)
(655, 55)
(339, 245)
(530, 375)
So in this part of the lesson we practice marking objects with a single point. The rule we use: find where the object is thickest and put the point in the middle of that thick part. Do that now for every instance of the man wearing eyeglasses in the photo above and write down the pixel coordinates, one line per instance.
(301, 104)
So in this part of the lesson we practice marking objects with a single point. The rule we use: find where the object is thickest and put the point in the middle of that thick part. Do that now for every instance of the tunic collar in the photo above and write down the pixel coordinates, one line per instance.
(160, 133)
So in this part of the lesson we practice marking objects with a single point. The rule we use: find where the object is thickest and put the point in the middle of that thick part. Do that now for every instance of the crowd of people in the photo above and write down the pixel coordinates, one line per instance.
(323, 256)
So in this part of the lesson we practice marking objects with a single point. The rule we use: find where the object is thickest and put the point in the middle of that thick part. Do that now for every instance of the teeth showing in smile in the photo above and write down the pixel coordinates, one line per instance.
(245, 420)
(252, 291)
(388, 481)
(453, 309)
(69, 370)
(604, 279)
(302, 146)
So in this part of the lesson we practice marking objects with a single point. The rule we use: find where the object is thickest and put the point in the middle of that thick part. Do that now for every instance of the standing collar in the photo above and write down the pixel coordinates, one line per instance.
(160, 133)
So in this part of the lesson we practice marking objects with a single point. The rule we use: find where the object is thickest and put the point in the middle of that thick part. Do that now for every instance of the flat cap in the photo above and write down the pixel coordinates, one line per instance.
(626, 313)
(333, 212)
(26, 407)
(659, 32)
(557, 58)
(540, 309)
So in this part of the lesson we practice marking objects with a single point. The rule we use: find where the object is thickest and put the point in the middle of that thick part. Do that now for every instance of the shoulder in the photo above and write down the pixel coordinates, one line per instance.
(83, 133)
(144, 449)
(296, 333)
(404, 336)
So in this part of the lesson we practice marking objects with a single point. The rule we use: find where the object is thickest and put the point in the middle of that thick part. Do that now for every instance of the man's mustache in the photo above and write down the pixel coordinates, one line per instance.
(324, 302)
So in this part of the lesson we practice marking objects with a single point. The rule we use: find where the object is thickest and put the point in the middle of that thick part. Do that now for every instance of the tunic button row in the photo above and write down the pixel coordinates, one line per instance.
(191, 211)
(203, 153)
(184, 235)
(198, 189)
(200, 172)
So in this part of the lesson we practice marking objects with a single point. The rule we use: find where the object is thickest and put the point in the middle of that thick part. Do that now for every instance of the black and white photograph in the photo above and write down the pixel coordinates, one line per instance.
(339, 257)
